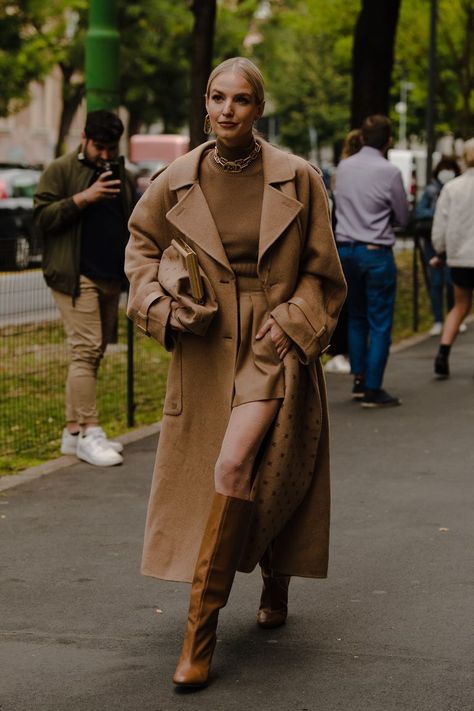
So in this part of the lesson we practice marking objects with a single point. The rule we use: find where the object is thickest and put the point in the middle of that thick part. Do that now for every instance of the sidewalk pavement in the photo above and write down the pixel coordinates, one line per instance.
(391, 628)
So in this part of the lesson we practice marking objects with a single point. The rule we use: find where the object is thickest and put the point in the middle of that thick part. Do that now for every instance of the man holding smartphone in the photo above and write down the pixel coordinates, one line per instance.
(82, 206)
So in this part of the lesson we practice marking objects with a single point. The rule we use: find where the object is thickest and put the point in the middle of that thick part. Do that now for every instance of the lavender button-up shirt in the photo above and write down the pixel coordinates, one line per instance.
(369, 198)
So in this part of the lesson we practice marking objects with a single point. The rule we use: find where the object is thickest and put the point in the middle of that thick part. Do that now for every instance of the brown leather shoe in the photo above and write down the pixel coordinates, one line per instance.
(273, 609)
(217, 562)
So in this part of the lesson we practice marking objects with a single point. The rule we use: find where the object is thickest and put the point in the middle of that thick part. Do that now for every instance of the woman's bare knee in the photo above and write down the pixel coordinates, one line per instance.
(246, 429)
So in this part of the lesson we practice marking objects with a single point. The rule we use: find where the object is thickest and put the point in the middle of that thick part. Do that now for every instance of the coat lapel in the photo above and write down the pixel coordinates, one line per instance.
(191, 214)
(279, 209)
(192, 217)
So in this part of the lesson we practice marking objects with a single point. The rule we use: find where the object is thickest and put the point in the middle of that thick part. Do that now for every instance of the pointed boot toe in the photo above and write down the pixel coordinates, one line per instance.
(191, 675)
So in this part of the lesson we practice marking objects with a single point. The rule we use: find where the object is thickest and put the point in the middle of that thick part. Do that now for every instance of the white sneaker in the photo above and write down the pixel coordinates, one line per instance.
(462, 328)
(93, 450)
(338, 364)
(99, 433)
(436, 328)
(69, 442)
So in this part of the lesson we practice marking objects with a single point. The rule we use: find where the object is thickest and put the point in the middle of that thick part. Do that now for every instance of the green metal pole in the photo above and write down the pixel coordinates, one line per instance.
(102, 56)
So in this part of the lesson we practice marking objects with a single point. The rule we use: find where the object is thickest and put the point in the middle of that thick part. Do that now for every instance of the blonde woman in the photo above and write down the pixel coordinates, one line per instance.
(242, 469)
(453, 241)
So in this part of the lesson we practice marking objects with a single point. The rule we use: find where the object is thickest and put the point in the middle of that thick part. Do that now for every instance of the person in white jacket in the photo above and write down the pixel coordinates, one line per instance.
(453, 240)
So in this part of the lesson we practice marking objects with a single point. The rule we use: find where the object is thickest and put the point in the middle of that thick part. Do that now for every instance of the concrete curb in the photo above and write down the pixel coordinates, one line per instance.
(10, 481)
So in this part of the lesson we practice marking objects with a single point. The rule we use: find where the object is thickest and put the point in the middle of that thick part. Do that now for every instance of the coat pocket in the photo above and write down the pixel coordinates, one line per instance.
(174, 385)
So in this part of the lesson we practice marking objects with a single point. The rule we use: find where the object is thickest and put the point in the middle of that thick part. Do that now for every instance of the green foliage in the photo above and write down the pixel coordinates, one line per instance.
(304, 50)
(234, 21)
(154, 66)
(153, 61)
(403, 314)
(33, 367)
(455, 64)
(33, 38)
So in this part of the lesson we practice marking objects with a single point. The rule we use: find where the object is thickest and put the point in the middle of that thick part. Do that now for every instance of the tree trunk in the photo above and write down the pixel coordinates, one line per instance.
(134, 123)
(373, 58)
(72, 97)
(201, 61)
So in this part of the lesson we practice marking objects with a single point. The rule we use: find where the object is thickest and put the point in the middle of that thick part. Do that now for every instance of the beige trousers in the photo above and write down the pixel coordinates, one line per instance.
(89, 324)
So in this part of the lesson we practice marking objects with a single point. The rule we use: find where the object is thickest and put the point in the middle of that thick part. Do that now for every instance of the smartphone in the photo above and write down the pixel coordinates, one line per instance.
(114, 166)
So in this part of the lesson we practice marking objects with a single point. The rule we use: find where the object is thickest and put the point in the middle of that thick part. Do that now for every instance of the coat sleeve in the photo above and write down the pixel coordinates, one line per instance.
(148, 304)
(440, 223)
(309, 317)
(53, 208)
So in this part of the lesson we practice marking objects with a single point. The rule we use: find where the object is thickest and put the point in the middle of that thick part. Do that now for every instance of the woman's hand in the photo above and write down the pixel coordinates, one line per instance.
(173, 322)
(280, 340)
(436, 262)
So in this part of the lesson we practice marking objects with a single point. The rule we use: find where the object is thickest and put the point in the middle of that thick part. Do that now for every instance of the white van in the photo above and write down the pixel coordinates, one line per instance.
(412, 164)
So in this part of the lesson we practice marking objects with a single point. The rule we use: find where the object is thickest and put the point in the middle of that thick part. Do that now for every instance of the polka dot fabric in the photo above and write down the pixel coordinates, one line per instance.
(287, 464)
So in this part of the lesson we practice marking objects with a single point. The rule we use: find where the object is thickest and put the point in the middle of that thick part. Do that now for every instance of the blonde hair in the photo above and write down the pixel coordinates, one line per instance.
(468, 153)
(352, 143)
(250, 72)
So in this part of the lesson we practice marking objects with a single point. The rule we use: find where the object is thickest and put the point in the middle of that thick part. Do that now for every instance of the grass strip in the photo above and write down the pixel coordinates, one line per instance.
(33, 369)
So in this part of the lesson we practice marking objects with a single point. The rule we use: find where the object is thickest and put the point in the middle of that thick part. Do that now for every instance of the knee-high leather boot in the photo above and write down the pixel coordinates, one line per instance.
(273, 608)
(219, 555)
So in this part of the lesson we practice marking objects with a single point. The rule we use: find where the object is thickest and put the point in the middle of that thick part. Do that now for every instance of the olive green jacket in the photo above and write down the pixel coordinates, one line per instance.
(59, 219)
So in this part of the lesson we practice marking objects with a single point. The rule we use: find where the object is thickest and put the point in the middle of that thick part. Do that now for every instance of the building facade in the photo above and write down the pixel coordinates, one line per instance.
(30, 135)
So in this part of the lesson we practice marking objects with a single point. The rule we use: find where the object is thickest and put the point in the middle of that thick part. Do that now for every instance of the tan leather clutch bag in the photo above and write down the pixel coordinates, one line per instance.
(182, 278)
(192, 266)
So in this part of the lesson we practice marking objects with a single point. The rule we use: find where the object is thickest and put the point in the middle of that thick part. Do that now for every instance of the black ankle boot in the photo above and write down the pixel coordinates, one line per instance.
(441, 366)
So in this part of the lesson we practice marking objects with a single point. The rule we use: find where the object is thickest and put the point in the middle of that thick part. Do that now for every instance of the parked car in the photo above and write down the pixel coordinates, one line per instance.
(19, 240)
(18, 181)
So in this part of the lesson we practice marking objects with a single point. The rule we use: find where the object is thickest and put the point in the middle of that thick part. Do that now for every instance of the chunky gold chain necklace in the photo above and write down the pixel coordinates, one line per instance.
(236, 166)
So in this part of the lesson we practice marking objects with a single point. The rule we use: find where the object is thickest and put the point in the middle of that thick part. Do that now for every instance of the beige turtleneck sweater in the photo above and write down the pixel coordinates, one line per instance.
(235, 202)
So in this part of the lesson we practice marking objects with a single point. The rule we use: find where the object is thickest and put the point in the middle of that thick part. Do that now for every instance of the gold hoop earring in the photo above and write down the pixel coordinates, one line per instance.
(207, 125)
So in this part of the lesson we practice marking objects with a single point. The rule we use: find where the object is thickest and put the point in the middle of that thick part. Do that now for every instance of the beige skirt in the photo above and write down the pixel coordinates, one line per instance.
(259, 372)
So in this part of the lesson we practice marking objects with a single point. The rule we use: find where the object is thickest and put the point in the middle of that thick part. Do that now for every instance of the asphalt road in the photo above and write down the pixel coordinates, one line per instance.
(25, 298)
(390, 630)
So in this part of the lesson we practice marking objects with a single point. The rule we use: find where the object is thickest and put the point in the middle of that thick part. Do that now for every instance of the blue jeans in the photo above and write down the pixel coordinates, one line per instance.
(371, 277)
(440, 284)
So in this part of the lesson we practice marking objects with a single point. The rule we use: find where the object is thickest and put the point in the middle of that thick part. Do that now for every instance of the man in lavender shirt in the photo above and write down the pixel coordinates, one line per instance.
(370, 199)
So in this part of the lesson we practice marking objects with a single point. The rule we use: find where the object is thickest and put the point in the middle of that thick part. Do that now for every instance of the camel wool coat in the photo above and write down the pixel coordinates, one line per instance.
(300, 273)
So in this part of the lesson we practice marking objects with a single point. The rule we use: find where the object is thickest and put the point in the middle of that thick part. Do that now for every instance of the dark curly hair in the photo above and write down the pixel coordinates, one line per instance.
(103, 126)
